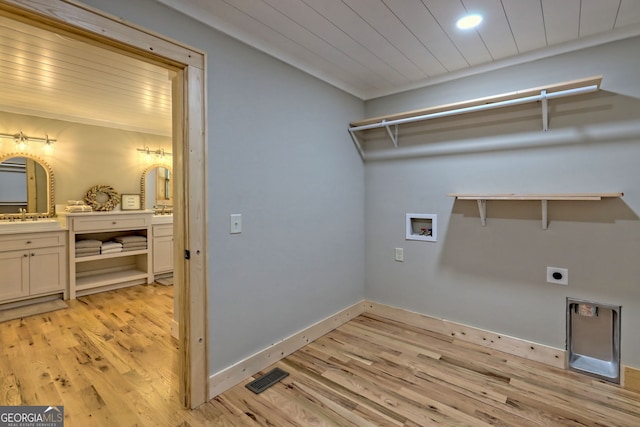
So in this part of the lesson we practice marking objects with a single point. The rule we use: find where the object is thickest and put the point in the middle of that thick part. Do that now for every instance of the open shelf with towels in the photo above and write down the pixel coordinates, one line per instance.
(101, 271)
(543, 198)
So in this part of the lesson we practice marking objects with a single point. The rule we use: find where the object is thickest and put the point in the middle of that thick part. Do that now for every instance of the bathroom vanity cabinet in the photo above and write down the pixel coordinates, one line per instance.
(32, 265)
(97, 273)
(162, 248)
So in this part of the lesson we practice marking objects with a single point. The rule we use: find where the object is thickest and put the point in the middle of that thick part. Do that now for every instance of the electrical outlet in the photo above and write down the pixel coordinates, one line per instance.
(399, 254)
(557, 276)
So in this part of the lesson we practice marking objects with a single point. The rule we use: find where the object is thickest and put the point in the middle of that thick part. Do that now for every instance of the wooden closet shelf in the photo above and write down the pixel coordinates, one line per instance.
(573, 84)
(571, 196)
(540, 94)
(543, 198)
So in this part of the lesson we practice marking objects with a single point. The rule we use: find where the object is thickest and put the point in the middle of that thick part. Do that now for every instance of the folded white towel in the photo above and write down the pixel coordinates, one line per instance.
(88, 243)
(78, 208)
(87, 254)
(111, 251)
(111, 245)
(135, 245)
(130, 239)
(128, 249)
(87, 250)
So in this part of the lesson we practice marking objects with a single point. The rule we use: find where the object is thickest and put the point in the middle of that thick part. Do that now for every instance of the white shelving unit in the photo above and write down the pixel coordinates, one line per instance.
(97, 273)
(543, 198)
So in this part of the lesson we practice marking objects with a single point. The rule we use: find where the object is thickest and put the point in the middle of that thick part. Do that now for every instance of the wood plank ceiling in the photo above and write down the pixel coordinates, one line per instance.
(372, 48)
(50, 75)
(368, 48)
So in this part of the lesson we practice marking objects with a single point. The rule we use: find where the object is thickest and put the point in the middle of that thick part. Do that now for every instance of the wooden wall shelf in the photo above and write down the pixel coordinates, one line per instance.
(538, 94)
(543, 198)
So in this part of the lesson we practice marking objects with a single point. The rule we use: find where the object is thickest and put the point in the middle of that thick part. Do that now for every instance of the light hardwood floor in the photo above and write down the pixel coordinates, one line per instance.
(109, 359)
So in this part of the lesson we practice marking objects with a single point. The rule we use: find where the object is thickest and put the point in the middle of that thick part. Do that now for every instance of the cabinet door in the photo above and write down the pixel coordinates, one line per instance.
(46, 270)
(162, 254)
(14, 275)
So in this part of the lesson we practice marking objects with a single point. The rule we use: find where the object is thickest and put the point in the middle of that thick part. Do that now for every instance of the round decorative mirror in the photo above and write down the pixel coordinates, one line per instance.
(156, 188)
(26, 187)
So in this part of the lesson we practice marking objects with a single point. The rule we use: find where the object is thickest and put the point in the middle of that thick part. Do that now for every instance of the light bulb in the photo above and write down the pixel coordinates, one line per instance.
(469, 21)
(48, 145)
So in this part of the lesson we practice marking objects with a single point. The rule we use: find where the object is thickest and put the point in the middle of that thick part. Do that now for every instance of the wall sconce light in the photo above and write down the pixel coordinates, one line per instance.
(159, 153)
(48, 144)
(21, 140)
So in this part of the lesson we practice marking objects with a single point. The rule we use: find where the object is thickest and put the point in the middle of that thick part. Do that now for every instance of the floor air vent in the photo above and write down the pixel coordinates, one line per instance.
(267, 380)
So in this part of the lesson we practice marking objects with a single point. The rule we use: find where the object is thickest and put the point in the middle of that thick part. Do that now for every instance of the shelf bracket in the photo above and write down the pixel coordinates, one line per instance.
(481, 199)
(559, 90)
(392, 135)
(357, 143)
(482, 208)
(545, 110)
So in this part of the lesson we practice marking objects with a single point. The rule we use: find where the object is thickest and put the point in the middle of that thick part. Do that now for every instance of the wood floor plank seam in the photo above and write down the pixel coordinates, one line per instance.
(110, 360)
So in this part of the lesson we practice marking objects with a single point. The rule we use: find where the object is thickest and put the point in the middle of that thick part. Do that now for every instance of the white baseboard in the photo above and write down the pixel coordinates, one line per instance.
(515, 346)
(229, 377)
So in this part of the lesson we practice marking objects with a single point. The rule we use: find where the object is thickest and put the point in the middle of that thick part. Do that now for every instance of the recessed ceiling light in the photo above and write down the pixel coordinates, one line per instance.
(469, 21)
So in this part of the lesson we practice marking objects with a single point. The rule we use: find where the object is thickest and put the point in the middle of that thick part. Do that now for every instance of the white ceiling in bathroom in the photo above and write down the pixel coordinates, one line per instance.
(367, 47)
(50, 75)
(376, 47)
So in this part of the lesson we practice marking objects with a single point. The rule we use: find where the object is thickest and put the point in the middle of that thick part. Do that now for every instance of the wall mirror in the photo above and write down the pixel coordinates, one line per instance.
(26, 182)
(156, 188)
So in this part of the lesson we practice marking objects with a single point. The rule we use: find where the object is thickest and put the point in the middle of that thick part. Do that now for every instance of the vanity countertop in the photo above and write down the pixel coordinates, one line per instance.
(17, 227)
(59, 223)
(103, 213)
(110, 219)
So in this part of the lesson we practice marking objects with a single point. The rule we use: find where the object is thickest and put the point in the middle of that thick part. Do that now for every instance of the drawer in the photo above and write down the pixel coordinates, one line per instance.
(10, 242)
(115, 223)
(163, 230)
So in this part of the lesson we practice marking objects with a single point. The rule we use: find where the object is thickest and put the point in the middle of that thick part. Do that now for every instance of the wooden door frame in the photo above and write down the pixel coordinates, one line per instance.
(189, 112)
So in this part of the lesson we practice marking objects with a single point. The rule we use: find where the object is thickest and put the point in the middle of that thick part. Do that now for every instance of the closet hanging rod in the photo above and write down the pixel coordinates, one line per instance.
(498, 104)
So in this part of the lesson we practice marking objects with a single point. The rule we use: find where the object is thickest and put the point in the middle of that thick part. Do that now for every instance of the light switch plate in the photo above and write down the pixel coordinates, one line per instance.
(400, 254)
(236, 224)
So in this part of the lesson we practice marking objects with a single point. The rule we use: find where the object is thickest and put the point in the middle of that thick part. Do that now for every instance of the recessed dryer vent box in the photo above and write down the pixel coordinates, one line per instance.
(422, 227)
(593, 339)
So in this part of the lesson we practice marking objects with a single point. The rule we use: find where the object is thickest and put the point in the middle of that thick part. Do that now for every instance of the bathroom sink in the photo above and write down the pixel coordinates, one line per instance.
(47, 224)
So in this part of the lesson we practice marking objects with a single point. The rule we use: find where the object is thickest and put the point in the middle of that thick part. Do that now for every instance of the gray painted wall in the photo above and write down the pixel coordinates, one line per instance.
(494, 277)
(299, 184)
(279, 154)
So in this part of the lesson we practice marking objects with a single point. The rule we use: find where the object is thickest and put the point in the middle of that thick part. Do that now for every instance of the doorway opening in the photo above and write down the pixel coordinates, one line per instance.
(188, 134)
